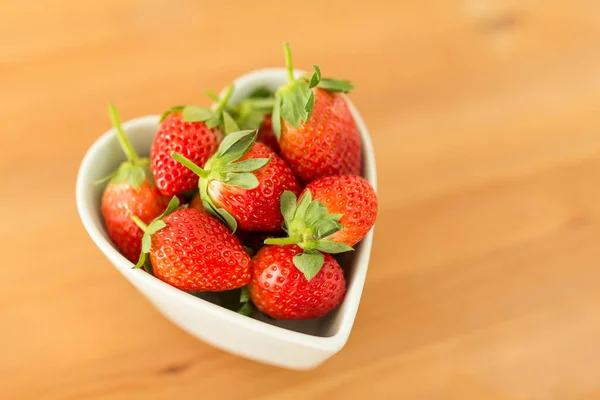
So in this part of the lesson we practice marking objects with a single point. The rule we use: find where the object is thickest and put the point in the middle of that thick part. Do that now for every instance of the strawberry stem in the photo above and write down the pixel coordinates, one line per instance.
(123, 141)
(189, 164)
(288, 62)
(282, 241)
(139, 222)
(215, 97)
(223, 102)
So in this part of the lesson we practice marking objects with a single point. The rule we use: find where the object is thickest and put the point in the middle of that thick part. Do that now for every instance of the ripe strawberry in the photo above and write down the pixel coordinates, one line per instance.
(281, 290)
(193, 251)
(242, 183)
(131, 190)
(317, 133)
(192, 131)
(353, 198)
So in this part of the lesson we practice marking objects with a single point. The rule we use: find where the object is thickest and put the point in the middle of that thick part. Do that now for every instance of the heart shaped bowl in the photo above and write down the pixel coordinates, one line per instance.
(289, 344)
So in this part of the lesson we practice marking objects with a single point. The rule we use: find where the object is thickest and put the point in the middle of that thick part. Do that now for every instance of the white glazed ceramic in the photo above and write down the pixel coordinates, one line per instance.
(296, 344)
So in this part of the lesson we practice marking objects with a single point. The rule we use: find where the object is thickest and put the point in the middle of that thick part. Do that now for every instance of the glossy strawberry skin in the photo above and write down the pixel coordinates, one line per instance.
(280, 290)
(351, 196)
(121, 201)
(329, 144)
(266, 135)
(192, 139)
(257, 209)
(196, 252)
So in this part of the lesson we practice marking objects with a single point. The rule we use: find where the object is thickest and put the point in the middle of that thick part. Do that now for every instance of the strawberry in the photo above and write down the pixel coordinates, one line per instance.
(353, 198)
(242, 183)
(315, 128)
(193, 131)
(193, 251)
(281, 290)
(131, 190)
(342, 213)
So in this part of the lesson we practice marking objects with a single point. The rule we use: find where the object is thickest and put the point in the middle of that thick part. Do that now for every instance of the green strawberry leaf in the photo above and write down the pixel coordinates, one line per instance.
(155, 226)
(315, 211)
(148, 266)
(146, 242)
(294, 100)
(330, 247)
(245, 180)
(229, 124)
(171, 111)
(334, 217)
(142, 260)
(336, 85)
(326, 227)
(196, 114)
(249, 250)
(122, 174)
(309, 105)
(303, 205)
(261, 92)
(136, 177)
(287, 203)
(315, 78)
(229, 152)
(172, 206)
(309, 263)
(263, 104)
(213, 122)
(252, 164)
(232, 139)
(244, 294)
(227, 218)
(276, 117)
(245, 309)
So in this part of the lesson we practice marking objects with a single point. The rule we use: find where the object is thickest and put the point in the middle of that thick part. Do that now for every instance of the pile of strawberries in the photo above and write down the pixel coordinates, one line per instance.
(254, 197)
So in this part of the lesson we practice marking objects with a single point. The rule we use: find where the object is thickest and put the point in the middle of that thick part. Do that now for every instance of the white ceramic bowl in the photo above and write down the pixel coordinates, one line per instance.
(289, 344)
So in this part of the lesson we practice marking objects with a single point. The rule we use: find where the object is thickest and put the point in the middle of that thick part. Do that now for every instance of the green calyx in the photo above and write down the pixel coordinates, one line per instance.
(250, 112)
(246, 308)
(218, 117)
(295, 100)
(224, 167)
(136, 169)
(308, 225)
(156, 225)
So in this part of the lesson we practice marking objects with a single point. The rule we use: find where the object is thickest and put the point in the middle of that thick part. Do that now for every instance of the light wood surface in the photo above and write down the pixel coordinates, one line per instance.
(485, 116)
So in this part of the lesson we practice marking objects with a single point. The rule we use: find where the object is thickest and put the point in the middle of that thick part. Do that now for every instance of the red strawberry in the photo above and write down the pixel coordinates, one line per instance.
(242, 183)
(193, 251)
(130, 191)
(267, 136)
(317, 133)
(279, 289)
(353, 198)
(193, 131)
(333, 214)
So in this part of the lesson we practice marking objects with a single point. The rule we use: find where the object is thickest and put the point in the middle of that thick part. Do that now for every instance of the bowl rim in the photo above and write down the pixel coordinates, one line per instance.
(86, 207)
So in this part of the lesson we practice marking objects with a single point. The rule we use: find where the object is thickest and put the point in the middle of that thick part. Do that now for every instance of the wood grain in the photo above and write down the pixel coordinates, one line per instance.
(485, 119)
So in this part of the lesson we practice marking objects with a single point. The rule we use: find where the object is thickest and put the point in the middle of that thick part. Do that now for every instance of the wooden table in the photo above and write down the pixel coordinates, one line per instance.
(485, 115)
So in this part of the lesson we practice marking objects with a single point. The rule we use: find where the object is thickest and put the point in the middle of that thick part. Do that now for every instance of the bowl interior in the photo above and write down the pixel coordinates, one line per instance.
(105, 156)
